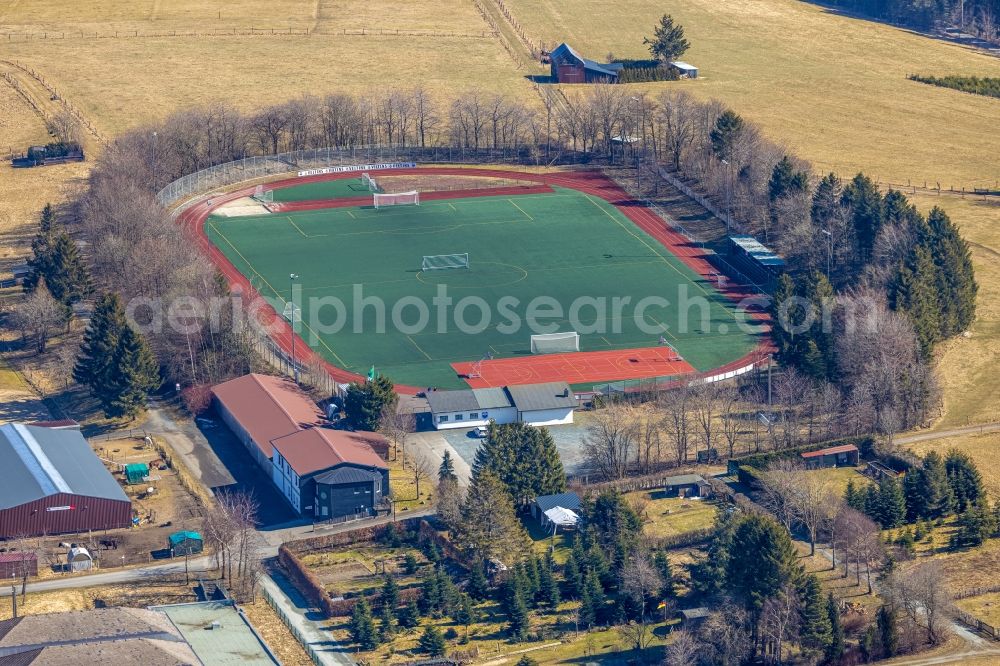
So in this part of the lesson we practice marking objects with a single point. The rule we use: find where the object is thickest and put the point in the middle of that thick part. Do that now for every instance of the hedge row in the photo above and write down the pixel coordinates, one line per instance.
(365, 534)
(304, 581)
(763, 460)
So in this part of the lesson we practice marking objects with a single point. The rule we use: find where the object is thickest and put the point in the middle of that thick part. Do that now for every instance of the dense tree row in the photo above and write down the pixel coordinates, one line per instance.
(980, 16)
(988, 86)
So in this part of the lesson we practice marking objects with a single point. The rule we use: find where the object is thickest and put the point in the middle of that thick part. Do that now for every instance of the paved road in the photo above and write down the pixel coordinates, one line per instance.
(430, 446)
(190, 446)
(112, 577)
(951, 432)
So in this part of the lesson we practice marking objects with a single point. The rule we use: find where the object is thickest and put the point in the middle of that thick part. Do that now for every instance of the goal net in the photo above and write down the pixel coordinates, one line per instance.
(552, 343)
(398, 199)
(262, 195)
(436, 262)
(369, 182)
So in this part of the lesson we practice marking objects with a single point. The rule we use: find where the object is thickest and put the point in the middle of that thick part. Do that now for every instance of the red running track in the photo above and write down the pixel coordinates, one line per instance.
(589, 182)
(576, 367)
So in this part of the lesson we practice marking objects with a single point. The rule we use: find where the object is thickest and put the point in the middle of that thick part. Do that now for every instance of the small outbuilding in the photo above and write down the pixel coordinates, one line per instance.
(692, 617)
(135, 473)
(568, 66)
(79, 559)
(846, 455)
(185, 543)
(685, 70)
(15, 563)
(543, 503)
(557, 517)
(687, 485)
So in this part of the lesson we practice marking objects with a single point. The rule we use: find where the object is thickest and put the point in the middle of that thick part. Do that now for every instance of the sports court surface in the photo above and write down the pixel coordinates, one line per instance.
(560, 237)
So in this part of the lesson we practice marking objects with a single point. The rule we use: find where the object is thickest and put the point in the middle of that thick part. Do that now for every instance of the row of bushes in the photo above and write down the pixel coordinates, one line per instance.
(987, 86)
(304, 581)
(866, 446)
(647, 74)
(365, 534)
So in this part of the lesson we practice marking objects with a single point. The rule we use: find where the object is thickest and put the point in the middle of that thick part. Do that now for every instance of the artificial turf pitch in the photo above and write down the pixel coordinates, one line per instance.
(562, 245)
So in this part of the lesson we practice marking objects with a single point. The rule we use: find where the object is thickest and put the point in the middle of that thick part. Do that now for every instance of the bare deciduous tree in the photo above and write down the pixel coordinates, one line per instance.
(40, 315)
(610, 443)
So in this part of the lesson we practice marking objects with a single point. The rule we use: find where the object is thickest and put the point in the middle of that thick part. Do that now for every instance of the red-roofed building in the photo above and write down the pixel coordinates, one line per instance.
(322, 472)
(845, 455)
(331, 473)
(261, 408)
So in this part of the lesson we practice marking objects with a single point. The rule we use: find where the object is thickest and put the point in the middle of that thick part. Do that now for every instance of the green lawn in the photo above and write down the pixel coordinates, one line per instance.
(563, 245)
(670, 516)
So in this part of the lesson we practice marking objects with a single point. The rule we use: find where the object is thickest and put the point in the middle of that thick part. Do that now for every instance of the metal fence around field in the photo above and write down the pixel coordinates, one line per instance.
(254, 168)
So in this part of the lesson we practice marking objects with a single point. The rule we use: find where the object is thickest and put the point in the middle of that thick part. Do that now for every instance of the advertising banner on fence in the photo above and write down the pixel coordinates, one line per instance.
(357, 167)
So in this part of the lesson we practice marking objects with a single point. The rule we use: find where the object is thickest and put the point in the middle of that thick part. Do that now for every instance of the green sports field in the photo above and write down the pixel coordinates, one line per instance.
(324, 189)
(561, 246)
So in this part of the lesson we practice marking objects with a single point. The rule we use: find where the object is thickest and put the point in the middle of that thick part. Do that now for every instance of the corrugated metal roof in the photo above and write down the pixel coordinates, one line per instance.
(569, 501)
(38, 462)
(533, 397)
(267, 407)
(683, 480)
(833, 450)
(606, 69)
(316, 449)
(347, 474)
(467, 400)
(757, 250)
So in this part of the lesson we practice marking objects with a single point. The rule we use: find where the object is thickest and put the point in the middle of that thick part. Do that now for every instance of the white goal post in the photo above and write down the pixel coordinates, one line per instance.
(436, 262)
(398, 199)
(369, 182)
(554, 343)
(262, 195)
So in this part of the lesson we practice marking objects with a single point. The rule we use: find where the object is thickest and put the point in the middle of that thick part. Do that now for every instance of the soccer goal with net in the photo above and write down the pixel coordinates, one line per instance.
(369, 182)
(554, 343)
(262, 195)
(397, 199)
(436, 262)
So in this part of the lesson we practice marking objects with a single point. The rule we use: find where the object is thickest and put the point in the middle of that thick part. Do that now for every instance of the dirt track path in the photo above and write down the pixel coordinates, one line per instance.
(951, 432)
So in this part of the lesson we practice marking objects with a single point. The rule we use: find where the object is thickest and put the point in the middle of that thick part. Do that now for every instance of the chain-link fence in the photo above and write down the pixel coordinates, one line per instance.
(255, 168)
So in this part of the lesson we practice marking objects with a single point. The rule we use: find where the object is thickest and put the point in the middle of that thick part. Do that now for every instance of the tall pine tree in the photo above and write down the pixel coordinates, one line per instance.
(135, 374)
(863, 198)
(965, 480)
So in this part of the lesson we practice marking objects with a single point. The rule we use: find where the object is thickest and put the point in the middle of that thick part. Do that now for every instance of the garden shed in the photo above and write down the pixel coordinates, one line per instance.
(185, 542)
(136, 472)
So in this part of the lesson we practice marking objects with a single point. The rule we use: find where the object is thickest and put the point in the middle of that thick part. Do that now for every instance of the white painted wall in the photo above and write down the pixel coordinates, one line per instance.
(547, 417)
(501, 415)
(286, 480)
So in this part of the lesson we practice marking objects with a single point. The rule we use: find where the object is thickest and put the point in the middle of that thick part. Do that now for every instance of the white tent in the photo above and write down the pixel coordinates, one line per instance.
(79, 559)
(560, 517)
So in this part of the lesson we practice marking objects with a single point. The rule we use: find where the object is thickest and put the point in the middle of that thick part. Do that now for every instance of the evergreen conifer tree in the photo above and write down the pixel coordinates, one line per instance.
(390, 592)
(387, 622)
(728, 127)
(67, 274)
(365, 401)
(363, 626)
(888, 634)
(136, 373)
(478, 586)
(548, 590)
(836, 646)
(955, 275)
(914, 292)
(446, 472)
(965, 480)
(892, 502)
(815, 631)
(409, 615)
(432, 642)
(863, 198)
(939, 499)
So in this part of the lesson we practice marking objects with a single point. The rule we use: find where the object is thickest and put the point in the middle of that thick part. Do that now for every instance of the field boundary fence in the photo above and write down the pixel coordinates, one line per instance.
(255, 168)
(972, 621)
(283, 616)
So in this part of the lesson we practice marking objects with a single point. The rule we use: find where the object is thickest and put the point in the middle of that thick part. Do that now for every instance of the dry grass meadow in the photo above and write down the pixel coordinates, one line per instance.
(833, 88)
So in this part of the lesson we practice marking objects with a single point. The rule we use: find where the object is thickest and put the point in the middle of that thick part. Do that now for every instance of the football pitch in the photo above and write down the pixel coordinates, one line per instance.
(559, 259)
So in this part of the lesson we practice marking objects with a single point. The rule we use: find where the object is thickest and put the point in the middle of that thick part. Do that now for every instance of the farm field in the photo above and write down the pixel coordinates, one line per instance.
(580, 246)
(967, 366)
(982, 448)
(833, 88)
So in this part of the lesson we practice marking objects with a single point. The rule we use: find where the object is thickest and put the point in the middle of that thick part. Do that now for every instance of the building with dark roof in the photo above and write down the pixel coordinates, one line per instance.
(568, 66)
(687, 485)
(469, 408)
(755, 260)
(535, 404)
(285, 432)
(543, 503)
(326, 474)
(54, 483)
(845, 455)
